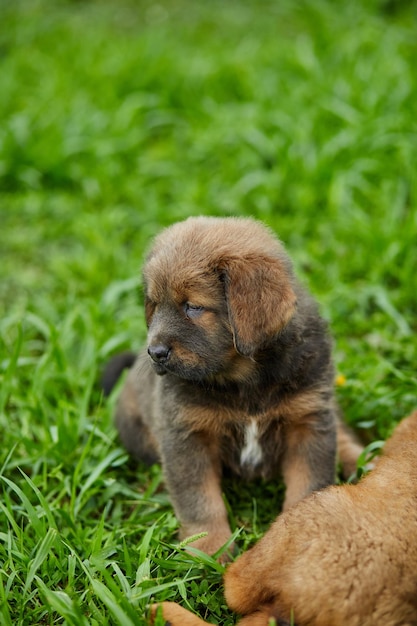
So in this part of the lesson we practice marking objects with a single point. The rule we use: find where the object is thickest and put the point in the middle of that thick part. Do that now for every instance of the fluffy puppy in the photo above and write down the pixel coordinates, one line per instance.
(346, 555)
(238, 373)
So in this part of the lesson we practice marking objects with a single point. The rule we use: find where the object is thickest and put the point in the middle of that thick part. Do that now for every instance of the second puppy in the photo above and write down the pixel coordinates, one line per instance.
(346, 556)
(238, 373)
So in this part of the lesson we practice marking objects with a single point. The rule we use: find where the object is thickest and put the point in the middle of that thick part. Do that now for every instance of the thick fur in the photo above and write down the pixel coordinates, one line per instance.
(240, 374)
(345, 556)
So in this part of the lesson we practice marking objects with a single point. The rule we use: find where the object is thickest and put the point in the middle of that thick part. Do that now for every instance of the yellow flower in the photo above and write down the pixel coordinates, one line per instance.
(340, 380)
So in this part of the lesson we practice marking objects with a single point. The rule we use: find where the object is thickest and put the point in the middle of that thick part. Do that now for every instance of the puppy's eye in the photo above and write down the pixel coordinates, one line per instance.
(192, 310)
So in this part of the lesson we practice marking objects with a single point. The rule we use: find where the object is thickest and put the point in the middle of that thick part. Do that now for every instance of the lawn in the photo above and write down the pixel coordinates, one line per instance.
(116, 119)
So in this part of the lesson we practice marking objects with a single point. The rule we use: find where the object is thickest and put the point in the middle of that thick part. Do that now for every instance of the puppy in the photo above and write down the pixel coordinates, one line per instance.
(238, 373)
(345, 556)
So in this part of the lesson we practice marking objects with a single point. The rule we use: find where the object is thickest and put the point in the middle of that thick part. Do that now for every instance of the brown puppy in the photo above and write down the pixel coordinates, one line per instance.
(239, 373)
(345, 556)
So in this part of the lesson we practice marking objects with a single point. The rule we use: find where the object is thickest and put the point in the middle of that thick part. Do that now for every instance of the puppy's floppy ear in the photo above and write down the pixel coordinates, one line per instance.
(260, 299)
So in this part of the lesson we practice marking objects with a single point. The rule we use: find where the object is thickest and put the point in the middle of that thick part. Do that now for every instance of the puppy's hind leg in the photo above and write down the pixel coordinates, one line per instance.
(136, 438)
(133, 432)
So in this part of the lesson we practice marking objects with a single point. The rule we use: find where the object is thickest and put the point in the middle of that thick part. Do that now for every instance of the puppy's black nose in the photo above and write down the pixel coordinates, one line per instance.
(159, 353)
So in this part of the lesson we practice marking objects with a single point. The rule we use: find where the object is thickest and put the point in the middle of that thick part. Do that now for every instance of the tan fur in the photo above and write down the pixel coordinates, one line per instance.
(241, 375)
(296, 475)
(344, 556)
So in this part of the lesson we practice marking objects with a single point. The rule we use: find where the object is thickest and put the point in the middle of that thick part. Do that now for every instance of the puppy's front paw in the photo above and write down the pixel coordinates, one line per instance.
(212, 543)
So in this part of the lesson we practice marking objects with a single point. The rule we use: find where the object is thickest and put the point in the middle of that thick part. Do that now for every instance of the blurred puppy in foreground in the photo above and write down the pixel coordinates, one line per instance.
(237, 375)
(344, 556)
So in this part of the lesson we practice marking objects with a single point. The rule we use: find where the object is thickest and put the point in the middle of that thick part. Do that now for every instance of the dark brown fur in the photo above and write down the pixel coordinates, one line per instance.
(237, 347)
(345, 556)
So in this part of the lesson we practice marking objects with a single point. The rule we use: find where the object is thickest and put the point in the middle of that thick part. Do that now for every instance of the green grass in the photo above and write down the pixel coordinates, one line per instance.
(117, 119)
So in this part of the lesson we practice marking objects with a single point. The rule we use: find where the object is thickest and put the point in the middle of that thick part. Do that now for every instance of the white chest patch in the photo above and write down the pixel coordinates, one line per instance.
(251, 453)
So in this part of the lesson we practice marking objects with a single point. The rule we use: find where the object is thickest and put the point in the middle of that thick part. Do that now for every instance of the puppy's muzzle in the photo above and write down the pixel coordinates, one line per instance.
(159, 353)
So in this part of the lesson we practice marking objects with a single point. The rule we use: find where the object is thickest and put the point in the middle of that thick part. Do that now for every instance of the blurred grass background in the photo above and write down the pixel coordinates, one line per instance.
(117, 119)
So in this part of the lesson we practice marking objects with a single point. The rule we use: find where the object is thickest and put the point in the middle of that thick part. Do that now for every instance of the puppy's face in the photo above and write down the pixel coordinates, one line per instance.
(189, 331)
(216, 291)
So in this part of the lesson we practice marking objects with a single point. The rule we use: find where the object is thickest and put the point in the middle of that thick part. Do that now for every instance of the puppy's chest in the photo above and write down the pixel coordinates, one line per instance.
(252, 449)
(251, 452)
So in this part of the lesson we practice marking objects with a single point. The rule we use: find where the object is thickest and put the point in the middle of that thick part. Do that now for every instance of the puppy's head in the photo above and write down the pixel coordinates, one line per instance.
(217, 291)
